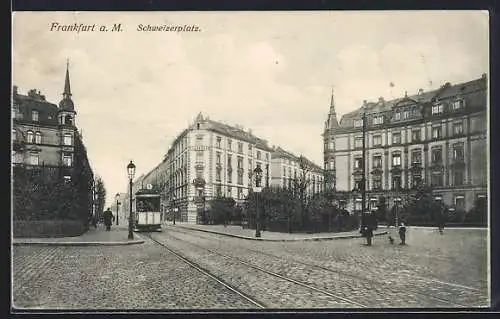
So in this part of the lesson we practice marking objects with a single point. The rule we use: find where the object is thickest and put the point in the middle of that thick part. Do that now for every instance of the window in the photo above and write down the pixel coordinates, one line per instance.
(67, 159)
(34, 158)
(358, 142)
(459, 202)
(377, 183)
(14, 134)
(377, 140)
(229, 160)
(397, 116)
(458, 153)
(396, 159)
(458, 128)
(267, 156)
(240, 177)
(357, 204)
(378, 120)
(377, 161)
(249, 149)
(416, 157)
(258, 155)
(240, 147)
(458, 104)
(218, 191)
(250, 165)
(436, 132)
(458, 177)
(199, 140)
(373, 203)
(437, 109)
(218, 140)
(30, 137)
(217, 174)
(406, 115)
(34, 116)
(38, 138)
(396, 138)
(229, 175)
(218, 158)
(438, 198)
(199, 156)
(436, 156)
(284, 171)
(240, 162)
(396, 183)
(67, 139)
(437, 179)
(240, 193)
(358, 163)
(415, 136)
(358, 123)
(331, 145)
(331, 164)
(229, 144)
(229, 189)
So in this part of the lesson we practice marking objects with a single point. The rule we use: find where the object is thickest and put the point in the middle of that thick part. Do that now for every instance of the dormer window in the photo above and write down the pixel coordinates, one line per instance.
(458, 104)
(30, 136)
(34, 116)
(358, 123)
(67, 139)
(397, 116)
(406, 115)
(378, 120)
(437, 109)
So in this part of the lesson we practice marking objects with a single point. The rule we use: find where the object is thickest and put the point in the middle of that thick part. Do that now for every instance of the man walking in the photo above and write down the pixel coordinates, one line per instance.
(402, 234)
(108, 219)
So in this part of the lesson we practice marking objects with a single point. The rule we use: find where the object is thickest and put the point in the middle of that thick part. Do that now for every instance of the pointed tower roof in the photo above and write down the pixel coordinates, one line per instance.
(332, 121)
(66, 103)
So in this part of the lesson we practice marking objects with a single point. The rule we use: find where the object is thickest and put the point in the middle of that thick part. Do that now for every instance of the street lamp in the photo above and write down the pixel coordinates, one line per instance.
(257, 189)
(363, 178)
(131, 173)
(117, 197)
(175, 207)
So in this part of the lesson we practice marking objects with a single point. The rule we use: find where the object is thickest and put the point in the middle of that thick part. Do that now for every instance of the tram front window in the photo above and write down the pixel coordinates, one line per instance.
(148, 204)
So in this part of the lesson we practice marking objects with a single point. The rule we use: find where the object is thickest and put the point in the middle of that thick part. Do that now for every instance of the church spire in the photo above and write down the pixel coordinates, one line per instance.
(67, 87)
(332, 121)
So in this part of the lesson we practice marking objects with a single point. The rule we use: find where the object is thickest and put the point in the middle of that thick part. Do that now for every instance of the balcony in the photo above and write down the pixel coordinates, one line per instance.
(377, 170)
(396, 169)
(199, 165)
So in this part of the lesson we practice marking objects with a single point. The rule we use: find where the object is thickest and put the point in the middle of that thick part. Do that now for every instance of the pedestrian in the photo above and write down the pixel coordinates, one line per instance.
(402, 234)
(108, 218)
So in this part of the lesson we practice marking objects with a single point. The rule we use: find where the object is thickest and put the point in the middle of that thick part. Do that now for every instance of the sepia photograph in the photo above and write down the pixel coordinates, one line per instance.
(250, 160)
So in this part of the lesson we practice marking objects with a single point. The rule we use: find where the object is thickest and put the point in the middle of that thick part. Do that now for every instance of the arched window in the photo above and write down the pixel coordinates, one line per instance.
(38, 138)
(30, 136)
(14, 134)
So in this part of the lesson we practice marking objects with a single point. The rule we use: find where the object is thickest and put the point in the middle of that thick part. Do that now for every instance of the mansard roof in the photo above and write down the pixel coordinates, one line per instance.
(445, 92)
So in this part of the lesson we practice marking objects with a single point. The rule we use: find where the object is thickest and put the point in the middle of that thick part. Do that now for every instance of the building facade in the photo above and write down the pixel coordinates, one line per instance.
(287, 167)
(207, 160)
(437, 138)
(44, 134)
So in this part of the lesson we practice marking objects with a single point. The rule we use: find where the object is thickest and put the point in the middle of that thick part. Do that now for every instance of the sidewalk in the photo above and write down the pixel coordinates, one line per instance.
(93, 237)
(239, 232)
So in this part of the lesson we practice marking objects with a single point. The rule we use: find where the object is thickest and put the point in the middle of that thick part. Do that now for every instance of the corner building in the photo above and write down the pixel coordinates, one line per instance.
(209, 159)
(438, 138)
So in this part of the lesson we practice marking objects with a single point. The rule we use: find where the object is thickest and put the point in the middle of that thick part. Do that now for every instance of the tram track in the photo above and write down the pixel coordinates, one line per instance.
(449, 302)
(206, 272)
(337, 298)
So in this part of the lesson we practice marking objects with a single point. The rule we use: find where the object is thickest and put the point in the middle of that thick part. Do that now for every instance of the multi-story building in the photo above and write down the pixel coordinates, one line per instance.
(43, 134)
(287, 167)
(209, 159)
(438, 138)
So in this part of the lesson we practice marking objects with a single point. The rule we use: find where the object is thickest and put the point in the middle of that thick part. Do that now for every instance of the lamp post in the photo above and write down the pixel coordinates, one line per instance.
(363, 178)
(175, 207)
(117, 197)
(257, 189)
(131, 173)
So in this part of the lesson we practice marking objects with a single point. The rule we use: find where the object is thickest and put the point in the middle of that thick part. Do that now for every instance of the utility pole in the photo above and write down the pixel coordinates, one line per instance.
(363, 178)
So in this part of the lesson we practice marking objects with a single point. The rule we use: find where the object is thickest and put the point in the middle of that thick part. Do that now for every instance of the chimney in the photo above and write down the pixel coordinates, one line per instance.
(483, 76)
(381, 99)
(249, 131)
(420, 91)
(14, 90)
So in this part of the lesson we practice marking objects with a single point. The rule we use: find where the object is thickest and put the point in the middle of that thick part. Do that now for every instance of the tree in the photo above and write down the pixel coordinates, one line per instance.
(100, 192)
(300, 183)
(422, 208)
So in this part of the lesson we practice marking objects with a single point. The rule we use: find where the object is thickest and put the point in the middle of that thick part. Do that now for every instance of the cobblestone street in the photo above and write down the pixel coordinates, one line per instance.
(433, 270)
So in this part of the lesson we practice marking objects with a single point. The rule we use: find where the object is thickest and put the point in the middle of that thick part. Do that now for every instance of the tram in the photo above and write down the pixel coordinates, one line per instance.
(148, 216)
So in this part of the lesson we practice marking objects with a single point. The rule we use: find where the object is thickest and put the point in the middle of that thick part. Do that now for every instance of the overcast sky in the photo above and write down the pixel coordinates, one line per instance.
(268, 71)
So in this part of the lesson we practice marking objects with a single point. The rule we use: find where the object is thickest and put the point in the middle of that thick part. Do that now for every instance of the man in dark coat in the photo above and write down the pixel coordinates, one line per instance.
(108, 219)
(402, 234)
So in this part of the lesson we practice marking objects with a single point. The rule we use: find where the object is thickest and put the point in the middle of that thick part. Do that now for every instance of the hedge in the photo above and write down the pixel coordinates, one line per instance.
(48, 228)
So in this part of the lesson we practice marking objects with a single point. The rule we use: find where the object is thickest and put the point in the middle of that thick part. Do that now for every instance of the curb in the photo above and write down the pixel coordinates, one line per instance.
(96, 243)
(283, 240)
